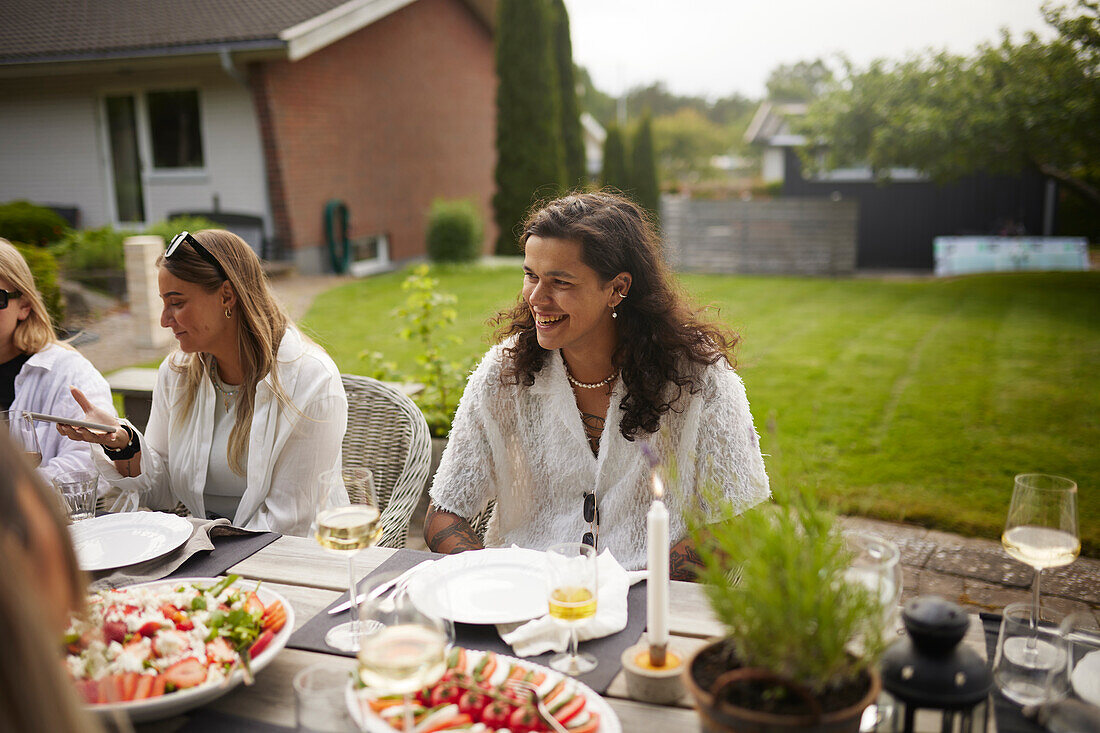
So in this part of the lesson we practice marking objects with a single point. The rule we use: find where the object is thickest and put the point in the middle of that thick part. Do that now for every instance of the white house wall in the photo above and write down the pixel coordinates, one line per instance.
(53, 147)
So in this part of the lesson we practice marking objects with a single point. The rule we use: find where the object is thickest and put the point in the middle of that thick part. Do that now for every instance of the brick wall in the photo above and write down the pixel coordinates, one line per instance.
(801, 236)
(386, 119)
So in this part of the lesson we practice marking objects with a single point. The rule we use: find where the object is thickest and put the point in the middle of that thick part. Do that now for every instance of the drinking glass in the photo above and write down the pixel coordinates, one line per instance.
(1080, 635)
(345, 530)
(78, 491)
(402, 650)
(1041, 530)
(571, 587)
(1030, 663)
(21, 429)
(876, 566)
(319, 705)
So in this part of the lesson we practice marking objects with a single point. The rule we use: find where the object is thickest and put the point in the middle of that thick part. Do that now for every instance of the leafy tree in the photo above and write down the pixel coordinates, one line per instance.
(530, 163)
(686, 141)
(572, 141)
(643, 168)
(614, 160)
(1012, 106)
(799, 82)
(596, 103)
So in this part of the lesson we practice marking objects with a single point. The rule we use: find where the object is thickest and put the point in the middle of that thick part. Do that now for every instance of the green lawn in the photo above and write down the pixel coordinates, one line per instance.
(914, 400)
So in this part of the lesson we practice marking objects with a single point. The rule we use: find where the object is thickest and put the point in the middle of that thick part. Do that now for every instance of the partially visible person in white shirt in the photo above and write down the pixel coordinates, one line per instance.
(247, 416)
(600, 352)
(37, 370)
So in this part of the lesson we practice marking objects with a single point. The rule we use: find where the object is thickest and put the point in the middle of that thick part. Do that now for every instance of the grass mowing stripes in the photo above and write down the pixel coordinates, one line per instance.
(913, 400)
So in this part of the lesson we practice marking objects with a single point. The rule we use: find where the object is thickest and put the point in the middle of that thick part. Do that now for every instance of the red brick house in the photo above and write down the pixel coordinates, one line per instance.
(129, 110)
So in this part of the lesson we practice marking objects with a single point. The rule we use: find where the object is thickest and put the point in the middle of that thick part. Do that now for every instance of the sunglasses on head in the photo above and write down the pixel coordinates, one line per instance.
(592, 516)
(203, 252)
(7, 295)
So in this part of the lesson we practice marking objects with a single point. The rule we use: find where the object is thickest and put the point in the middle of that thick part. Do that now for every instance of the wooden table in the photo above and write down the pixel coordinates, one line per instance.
(312, 579)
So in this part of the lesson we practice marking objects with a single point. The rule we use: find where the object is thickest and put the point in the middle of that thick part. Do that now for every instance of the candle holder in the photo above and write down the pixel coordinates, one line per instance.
(659, 685)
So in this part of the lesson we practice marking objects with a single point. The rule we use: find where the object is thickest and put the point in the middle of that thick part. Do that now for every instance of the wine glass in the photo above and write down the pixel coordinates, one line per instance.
(402, 650)
(345, 530)
(571, 586)
(1041, 530)
(21, 428)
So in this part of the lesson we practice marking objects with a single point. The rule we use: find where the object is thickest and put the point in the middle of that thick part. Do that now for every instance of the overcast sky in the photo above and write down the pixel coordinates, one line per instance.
(715, 47)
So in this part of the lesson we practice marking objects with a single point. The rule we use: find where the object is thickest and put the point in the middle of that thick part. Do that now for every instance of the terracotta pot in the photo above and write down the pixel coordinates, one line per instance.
(724, 717)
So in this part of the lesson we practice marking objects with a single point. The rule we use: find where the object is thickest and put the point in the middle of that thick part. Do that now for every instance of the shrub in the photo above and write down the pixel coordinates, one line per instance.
(44, 269)
(22, 221)
(454, 231)
(94, 249)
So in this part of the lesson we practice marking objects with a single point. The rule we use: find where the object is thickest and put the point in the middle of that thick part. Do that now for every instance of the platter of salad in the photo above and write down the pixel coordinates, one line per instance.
(473, 697)
(157, 649)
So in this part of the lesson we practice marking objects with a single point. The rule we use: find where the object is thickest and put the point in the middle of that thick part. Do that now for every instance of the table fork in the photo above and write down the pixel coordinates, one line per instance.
(540, 706)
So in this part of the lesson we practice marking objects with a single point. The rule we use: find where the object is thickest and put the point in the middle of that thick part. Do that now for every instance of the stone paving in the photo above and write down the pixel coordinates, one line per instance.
(973, 572)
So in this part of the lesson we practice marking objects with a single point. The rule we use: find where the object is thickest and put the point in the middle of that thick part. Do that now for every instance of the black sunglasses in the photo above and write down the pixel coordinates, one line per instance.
(592, 516)
(185, 236)
(7, 295)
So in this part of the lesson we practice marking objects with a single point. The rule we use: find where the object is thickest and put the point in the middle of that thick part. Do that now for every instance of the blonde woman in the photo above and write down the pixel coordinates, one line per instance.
(36, 370)
(246, 415)
(39, 587)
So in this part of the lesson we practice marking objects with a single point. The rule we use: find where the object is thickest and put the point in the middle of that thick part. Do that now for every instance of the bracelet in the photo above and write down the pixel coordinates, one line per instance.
(126, 452)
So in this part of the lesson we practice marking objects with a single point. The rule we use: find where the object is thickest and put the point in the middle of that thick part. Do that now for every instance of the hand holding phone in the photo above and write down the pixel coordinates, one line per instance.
(71, 421)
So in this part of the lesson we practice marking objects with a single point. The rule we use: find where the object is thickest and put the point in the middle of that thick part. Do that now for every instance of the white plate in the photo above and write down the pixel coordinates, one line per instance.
(174, 703)
(371, 722)
(118, 540)
(495, 586)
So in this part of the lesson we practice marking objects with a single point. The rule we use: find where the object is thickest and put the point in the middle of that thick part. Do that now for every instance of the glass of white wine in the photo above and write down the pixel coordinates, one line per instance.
(1041, 530)
(402, 649)
(345, 530)
(21, 428)
(571, 586)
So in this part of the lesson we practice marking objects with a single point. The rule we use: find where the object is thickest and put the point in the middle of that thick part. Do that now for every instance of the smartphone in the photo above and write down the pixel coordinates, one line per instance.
(70, 421)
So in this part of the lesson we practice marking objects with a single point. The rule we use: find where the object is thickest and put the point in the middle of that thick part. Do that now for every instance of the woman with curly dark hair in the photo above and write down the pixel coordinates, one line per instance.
(601, 351)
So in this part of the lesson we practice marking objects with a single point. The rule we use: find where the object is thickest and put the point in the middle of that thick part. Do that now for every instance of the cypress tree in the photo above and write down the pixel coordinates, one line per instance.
(643, 169)
(571, 137)
(530, 163)
(614, 160)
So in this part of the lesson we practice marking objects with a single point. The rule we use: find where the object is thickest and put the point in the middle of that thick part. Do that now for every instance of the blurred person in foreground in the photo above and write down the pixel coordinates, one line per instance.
(601, 351)
(39, 587)
(37, 370)
(246, 416)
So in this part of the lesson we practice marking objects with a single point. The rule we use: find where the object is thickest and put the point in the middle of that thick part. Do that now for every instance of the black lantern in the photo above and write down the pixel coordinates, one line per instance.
(928, 674)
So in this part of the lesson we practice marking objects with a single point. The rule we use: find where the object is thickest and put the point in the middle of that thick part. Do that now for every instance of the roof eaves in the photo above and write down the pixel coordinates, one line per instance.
(193, 49)
(328, 27)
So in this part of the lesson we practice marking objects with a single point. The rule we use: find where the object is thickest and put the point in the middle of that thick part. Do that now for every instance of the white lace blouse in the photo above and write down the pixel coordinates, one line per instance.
(525, 448)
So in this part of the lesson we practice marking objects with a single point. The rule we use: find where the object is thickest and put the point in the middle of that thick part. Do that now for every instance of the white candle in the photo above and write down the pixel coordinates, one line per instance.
(657, 588)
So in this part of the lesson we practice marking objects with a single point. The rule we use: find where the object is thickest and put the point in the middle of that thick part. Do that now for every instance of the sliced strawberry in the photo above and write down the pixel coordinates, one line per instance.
(127, 685)
(150, 628)
(186, 673)
(261, 643)
(89, 691)
(274, 616)
(139, 650)
(114, 631)
(144, 687)
(185, 624)
(253, 604)
(158, 686)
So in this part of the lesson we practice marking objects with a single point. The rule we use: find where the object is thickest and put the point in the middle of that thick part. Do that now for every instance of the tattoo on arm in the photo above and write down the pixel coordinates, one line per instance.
(684, 561)
(449, 533)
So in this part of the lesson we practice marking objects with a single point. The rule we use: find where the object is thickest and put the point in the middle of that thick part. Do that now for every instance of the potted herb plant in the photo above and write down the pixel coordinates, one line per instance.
(800, 644)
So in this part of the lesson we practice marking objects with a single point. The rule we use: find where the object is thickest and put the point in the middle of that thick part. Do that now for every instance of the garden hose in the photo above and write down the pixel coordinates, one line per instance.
(336, 235)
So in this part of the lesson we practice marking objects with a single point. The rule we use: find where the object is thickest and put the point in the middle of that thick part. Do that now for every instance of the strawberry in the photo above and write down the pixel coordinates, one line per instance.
(186, 673)
(253, 604)
(261, 643)
(158, 686)
(144, 686)
(89, 691)
(150, 628)
(114, 631)
(219, 651)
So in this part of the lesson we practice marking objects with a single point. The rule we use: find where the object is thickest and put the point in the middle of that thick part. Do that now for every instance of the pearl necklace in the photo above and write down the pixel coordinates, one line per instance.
(594, 385)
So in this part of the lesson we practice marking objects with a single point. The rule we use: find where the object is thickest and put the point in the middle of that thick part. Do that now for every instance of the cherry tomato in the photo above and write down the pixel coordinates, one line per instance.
(445, 694)
(497, 714)
(472, 703)
(525, 719)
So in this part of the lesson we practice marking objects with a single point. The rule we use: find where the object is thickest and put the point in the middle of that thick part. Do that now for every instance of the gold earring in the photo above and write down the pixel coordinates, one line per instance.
(228, 313)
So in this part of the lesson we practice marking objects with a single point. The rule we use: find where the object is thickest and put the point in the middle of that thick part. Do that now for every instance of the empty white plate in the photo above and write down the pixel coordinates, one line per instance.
(118, 540)
(495, 586)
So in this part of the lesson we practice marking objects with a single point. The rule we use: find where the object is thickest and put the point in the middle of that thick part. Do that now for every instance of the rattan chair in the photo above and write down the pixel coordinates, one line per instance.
(387, 433)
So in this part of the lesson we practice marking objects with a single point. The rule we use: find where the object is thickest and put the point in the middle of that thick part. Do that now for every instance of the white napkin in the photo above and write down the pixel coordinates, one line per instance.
(544, 634)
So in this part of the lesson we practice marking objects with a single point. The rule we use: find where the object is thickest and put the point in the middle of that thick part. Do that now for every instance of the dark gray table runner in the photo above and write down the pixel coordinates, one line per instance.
(228, 551)
(1010, 718)
(608, 650)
